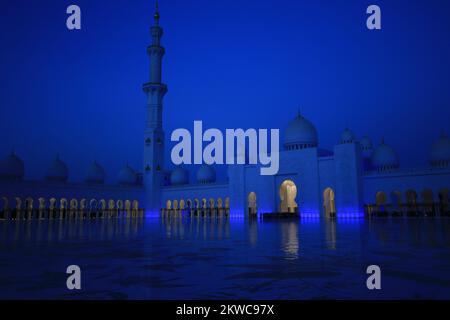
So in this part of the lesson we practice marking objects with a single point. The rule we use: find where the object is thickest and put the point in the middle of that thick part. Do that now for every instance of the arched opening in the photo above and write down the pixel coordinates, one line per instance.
(428, 202)
(411, 203)
(182, 204)
(411, 197)
(329, 206)
(175, 205)
(4, 208)
(169, 205)
(396, 199)
(251, 199)
(29, 207)
(73, 207)
(18, 209)
(189, 204)
(288, 193)
(227, 206)
(62, 208)
(443, 202)
(380, 199)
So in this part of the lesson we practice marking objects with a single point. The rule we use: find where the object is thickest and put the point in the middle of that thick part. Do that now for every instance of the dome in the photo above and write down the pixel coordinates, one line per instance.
(12, 167)
(206, 174)
(366, 143)
(299, 134)
(179, 176)
(127, 176)
(57, 171)
(95, 174)
(384, 158)
(440, 152)
(347, 136)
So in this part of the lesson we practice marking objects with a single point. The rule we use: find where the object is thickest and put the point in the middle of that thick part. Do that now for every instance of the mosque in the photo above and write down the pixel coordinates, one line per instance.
(353, 179)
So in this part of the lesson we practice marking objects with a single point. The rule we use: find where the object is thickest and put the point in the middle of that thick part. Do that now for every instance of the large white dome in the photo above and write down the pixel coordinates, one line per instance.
(57, 171)
(179, 176)
(384, 158)
(366, 143)
(347, 136)
(95, 174)
(12, 167)
(440, 152)
(300, 133)
(127, 176)
(206, 174)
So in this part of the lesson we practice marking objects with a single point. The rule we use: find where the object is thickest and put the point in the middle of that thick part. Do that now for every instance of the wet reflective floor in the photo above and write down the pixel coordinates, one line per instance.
(225, 258)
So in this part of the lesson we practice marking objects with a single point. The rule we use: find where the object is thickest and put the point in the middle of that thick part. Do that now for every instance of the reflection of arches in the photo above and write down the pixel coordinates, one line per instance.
(329, 206)
(251, 198)
(380, 198)
(168, 205)
(288, 193)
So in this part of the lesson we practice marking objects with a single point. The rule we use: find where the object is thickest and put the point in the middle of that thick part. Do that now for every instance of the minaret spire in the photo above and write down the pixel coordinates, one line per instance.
(156, 15)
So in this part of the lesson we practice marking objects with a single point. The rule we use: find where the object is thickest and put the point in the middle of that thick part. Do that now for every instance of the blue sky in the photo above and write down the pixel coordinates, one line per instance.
(232, 64)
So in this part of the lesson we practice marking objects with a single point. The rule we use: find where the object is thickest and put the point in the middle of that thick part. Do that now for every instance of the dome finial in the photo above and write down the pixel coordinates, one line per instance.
(156, 14)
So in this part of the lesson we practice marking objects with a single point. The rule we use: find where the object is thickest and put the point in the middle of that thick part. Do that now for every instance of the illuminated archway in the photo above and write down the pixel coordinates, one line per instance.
(251, 199)
(288, 193)
(329, 206)
(411, 197)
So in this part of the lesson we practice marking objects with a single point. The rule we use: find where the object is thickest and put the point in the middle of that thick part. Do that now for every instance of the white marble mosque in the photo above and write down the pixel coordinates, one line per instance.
(353, 179)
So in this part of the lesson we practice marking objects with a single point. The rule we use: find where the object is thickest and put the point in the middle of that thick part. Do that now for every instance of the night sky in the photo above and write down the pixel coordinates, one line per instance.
(232, 64)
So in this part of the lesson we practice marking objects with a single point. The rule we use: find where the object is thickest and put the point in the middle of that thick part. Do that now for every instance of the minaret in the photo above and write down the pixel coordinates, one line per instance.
(154, 134)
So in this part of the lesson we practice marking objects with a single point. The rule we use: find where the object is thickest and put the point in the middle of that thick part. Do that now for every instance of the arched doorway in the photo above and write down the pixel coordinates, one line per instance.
(252, 211)
(329, 206)
(288, 193)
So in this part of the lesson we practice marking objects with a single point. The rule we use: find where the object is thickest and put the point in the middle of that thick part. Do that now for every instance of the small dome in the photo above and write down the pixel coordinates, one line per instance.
(440, 152)
(127, 176)
(347, 136)
(206, 174)
(12, 167)
(179, 176)
(299, 134)
(57, 171)
(384, 158)
(366, 143)
(95, 174)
